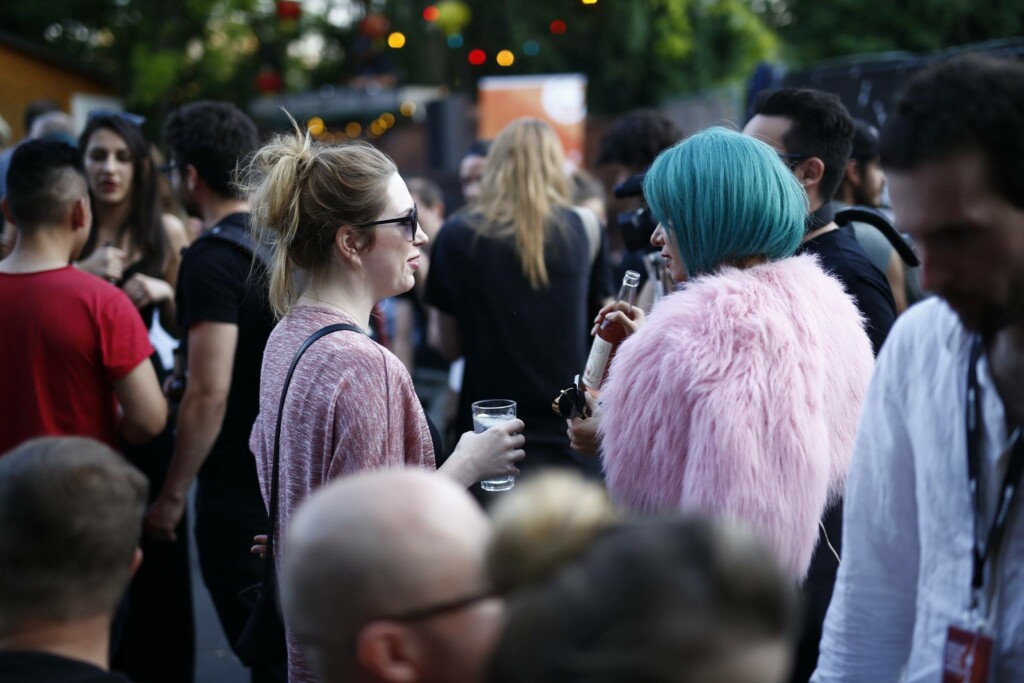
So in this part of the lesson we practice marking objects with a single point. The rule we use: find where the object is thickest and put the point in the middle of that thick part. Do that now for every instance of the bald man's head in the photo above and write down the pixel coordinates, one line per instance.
(364, 554)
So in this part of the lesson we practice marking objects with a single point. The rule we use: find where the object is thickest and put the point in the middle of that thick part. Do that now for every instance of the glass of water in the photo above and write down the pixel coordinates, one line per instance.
(487, 414)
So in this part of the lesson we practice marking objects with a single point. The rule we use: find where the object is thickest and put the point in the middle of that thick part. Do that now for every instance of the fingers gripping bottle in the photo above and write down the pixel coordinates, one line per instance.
(608, 337)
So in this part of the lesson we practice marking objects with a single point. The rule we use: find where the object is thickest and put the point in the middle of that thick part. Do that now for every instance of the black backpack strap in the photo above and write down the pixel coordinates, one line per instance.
(269, 571)
(878, 220)
(240, 238)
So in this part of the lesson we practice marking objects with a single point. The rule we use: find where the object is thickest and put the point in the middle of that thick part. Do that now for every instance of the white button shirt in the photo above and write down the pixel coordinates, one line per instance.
(909, 520)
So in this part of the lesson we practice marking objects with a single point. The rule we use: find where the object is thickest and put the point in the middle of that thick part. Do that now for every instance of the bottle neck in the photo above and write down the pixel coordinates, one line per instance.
(628, 293)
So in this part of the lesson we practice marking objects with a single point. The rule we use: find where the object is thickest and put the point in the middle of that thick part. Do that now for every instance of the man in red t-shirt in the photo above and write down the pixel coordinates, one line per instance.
(72, 346)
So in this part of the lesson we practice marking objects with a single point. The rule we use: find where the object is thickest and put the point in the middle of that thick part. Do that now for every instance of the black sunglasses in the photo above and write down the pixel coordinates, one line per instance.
(791, 159)
(572, 402)
(410, 220)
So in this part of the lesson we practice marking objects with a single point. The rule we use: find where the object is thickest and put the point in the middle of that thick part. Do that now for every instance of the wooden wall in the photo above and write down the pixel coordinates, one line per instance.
(26, 78)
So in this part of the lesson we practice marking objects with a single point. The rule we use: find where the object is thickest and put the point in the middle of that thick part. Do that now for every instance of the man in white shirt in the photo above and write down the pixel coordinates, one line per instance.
(953, 151)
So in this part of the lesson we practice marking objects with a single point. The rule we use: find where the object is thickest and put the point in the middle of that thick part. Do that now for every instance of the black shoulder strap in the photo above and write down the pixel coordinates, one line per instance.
(878, 219)
(269, 571)
(240, 238)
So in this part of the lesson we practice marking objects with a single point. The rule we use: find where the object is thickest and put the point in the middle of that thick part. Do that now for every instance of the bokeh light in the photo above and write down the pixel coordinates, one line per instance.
(531, 48)
(505, 58)
(455, 41)
(353, 129)
(477, 57)
(315, 126)
(396, 40)
(431, 13)
(408, 108)
(558, 27)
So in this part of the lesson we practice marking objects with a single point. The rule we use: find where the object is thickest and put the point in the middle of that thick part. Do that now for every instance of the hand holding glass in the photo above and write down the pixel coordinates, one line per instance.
(487, 414)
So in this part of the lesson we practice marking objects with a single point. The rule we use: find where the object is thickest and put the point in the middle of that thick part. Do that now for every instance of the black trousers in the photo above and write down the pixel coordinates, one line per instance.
(157, 630)
(228, 515)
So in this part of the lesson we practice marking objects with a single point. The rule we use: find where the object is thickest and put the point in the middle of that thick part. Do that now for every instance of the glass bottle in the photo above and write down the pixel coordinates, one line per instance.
(608, 337)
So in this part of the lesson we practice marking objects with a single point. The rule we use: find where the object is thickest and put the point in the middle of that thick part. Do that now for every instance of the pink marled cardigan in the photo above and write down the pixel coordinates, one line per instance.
(740, 397)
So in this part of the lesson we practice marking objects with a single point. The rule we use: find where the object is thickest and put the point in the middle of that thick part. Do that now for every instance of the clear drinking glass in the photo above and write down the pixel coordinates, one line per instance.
(487, 414)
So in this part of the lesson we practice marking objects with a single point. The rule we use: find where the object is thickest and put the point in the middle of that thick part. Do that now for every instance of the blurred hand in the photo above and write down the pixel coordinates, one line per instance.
(164, 516)
(493, 453)
(144, 290)
(630, 317)
(259, 545)
(583, 437)
(106, 262)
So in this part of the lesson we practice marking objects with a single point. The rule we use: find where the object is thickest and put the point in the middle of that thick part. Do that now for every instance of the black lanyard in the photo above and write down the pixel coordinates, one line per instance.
(1008, 491)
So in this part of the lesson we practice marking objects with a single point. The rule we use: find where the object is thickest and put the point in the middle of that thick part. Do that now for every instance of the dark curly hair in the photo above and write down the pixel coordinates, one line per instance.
(636, 139)
(213, 137)
(974, 102)
(821, 127)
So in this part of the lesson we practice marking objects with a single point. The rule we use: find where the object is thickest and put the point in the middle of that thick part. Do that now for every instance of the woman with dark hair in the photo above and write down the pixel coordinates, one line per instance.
(138, 248)
(132, 243)
(593, 597)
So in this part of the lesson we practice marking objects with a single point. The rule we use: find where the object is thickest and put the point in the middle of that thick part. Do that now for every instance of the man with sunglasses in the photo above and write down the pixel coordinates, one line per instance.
(225, 322)
(813, 134)
(384, 580)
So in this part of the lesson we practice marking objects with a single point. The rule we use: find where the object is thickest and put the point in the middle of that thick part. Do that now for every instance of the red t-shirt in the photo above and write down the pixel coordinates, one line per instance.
(65, 338)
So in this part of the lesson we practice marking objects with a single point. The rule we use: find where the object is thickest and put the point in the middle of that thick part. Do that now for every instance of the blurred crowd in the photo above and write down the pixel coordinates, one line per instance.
(792, 455)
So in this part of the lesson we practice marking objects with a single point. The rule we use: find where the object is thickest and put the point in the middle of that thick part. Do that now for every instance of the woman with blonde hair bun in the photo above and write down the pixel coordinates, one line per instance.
(595, 597)
(344, 233)
(516, 278)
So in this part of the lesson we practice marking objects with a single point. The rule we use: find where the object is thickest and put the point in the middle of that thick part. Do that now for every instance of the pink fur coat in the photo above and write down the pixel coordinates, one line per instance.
(740, 397)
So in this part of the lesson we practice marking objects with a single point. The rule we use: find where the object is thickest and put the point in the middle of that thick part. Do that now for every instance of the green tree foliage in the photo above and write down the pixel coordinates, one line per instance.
(634, 52)
(814, 30)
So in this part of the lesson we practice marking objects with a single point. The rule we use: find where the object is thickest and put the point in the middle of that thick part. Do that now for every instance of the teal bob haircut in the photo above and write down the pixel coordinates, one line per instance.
(726, 196)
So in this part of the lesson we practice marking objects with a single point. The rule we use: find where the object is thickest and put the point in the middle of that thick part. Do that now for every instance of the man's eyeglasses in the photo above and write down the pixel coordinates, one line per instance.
(168, 168)
(417, 614)
(572, 402)
(411, 221)
(127, 117)
(438, 609)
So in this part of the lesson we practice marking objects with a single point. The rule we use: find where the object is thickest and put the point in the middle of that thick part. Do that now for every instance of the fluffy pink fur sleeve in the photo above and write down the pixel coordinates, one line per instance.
(740, 397)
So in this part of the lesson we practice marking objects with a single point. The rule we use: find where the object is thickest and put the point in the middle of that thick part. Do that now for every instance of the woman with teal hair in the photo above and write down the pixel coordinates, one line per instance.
(739, 395)
(726, 199)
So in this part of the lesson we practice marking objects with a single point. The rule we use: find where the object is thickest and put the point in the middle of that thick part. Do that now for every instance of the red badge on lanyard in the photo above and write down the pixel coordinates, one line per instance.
(967, 657)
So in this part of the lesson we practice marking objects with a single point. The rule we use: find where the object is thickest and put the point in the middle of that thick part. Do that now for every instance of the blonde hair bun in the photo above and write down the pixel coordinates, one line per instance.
(543, 525)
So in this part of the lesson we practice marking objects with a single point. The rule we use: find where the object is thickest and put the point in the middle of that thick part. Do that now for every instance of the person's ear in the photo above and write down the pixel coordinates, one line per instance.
(809, 173)
(349, 244)
(81, 214)
(136, 560)
(191, 177)
(6, 208)
(853, 175)
(385, 650)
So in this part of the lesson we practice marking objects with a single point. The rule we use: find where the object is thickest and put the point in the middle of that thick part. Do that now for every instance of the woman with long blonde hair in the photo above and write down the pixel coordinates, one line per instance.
(516, 277)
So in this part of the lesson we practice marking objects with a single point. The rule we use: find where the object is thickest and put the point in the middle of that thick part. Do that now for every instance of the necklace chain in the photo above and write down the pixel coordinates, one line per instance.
(332, 305)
